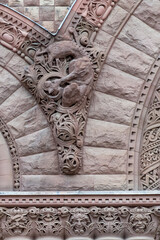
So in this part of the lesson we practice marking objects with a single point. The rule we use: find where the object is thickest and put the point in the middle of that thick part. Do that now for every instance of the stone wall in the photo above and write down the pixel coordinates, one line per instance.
(48, 13)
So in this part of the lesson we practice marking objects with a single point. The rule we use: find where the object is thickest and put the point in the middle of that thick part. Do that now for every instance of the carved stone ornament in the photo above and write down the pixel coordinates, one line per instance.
(79, 221)
(61, 78)
(150, 155)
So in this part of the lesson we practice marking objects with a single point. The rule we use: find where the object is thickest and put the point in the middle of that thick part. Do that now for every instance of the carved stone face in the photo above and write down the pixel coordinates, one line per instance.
(17, 224)
(79, 222)
(139, 222)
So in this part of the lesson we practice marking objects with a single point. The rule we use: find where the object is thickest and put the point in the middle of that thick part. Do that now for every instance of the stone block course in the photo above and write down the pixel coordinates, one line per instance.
(37, 142)
(44, 163)
(118, 83)
(28, 122)
(128, 5)
(148, 42)
(111, 109)
(129, 59)
(106, 134)
(104, 161)
(149, 12)
(8, 85)
(16, 104)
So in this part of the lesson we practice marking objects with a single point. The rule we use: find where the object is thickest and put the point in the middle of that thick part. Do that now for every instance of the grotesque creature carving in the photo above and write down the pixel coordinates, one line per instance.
(61, 79)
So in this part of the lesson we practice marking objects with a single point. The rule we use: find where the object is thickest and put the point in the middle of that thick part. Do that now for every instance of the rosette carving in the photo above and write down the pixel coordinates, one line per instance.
(61, 79)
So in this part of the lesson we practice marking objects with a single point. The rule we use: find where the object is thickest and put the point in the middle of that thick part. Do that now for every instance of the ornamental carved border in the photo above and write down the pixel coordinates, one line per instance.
(99, 219)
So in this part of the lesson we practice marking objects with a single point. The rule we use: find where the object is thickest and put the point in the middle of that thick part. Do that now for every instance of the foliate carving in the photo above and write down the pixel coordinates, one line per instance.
(79, 221)
(13, 152)
(10, 35)
(150, 156)
(61, 78)
(96, 11)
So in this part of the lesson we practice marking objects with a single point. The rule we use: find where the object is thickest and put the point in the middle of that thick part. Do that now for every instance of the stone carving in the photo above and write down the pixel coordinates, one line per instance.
(14, 153)
(10, 35)
(61, 78)
(78, 221)
(150, 157)
(96, 11)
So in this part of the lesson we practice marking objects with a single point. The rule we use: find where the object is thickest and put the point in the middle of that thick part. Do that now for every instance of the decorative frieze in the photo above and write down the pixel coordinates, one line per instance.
(67, 222)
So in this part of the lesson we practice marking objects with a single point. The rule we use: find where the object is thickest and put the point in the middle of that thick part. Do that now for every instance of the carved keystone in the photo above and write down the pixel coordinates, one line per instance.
(61, 79)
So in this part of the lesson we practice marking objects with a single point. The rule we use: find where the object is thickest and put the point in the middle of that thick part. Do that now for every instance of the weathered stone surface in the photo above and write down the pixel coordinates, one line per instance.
(103, 39)
(118, 83)
(129, 59)
(14, 3)
(128, 4)
(6, 54)
(8, 84)
(32, 13)
(112, 109)
(57, 183)
(104, 161)
(6, 167)
(110, 182)
(149, 12)
(38, 142)
(43, 163)
(60, 13)
(19, 102)
(46, 12)
(6, 183)
(47, 2)
(28, 122)
(17, 64)
(114, 20)
(141, 36)
(106, 134)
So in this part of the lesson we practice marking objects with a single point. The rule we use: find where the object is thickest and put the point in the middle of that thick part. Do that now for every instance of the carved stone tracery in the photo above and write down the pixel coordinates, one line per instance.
(150, 155)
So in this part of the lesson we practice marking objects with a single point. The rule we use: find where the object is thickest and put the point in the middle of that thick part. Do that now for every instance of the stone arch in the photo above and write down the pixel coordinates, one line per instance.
(120, 83)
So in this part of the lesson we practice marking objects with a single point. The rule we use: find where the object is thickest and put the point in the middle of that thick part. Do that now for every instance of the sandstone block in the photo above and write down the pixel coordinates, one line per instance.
(32, 12)
(129, 59)
(28, 122)
(106, 134)
(47, 2)
(62, 2)
(141, 36)
(128, 4)
(17, 64)
(19, 102)
(6, 54)
(149, 12)
(49, 25)
(110, 182)
(111, 109)
(14, 3)
(114, 20)
(60, 13)
(46, 13)
(44, 163)
(6, 183)
(38, 142)
(103, 39)
(8, 84)
(57, 183)
(31, 2)
(104, 161)
(118, 83)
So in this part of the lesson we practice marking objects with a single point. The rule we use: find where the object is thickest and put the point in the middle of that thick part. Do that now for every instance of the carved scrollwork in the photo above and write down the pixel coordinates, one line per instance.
(61, 79)
(150, 156)
(79, 221)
